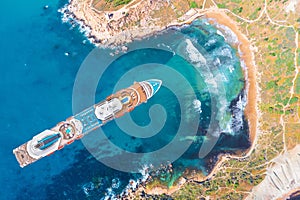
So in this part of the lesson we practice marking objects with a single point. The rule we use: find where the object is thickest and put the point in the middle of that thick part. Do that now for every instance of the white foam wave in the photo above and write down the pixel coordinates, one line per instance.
(64, 11)
(211, 82)
(227, 34)
(221, 76)
(220, 33)
(167, 46)
(134, 184)
(115, 183)
(237, 111)
(111, 195)
(68, 17)
(210, 42)
(194, 55)
(197, 105)
(224, 51)
(231, 68)
(216, 62)
(87, 188)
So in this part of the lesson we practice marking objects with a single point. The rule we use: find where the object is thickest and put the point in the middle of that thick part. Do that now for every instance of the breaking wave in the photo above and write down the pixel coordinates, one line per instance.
(68, 17)
(197, 105)
(229, 36)
(193, 54)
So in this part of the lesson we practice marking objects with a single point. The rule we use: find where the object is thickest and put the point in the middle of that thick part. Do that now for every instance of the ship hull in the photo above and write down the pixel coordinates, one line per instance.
(75, 127)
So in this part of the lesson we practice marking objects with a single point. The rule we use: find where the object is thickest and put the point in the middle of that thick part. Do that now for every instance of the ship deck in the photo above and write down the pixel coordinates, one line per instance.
(88, 119)
(75, 127)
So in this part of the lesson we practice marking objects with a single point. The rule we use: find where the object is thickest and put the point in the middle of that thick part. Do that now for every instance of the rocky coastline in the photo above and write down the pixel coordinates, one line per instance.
(110, 34)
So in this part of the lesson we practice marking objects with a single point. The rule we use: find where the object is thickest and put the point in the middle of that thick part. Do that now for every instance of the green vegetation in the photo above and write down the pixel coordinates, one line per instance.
(221, 5)
(193, 4)
(237, 10)
(118, 2)
(274, 59)
(254, 15)
(226, 178)
(294, 100)
(298, 52)
(297, 85)
(271, 84)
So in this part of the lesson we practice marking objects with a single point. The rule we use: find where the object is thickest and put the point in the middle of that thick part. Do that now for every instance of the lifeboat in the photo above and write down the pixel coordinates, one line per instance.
(109, 97)
(79, 136)
(50, 153)
(130, 109)
(61, 147)
(70, 142)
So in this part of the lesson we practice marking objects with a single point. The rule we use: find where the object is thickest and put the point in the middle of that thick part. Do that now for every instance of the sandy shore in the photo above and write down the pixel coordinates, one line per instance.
(251, 79)
(251, 113)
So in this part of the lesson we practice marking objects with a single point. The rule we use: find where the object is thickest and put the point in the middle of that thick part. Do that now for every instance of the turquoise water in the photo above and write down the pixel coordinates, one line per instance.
(37, 79)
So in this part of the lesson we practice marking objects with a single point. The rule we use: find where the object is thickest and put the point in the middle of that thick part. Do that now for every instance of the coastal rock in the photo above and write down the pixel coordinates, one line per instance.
(281, 178)
(181, 181)
(106, 25)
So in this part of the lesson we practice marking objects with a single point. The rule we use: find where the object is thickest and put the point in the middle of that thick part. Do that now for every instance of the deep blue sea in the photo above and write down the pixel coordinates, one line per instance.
(37, 78)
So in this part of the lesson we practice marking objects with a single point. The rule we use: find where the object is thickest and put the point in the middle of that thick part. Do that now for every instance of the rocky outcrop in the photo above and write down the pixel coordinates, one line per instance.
(281, 178)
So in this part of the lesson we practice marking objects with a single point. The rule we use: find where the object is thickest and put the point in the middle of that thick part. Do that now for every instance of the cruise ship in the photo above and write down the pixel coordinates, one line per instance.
(75, 127)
